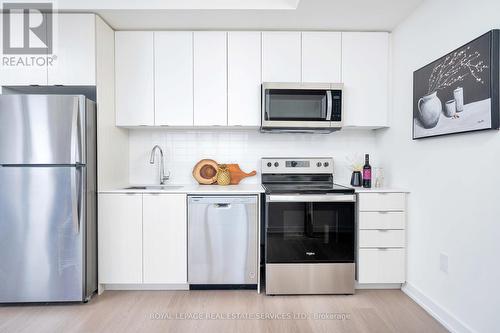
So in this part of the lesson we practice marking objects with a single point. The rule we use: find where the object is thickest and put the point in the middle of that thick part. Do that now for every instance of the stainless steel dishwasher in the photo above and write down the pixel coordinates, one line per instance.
(222, 241)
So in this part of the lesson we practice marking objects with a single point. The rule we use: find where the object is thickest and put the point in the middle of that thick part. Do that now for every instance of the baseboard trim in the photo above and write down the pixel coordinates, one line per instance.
(180, 286)
(377, 285)
(446, 319)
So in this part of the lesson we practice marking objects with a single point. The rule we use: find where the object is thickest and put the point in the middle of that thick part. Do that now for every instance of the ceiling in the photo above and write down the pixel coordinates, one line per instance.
(365, 15)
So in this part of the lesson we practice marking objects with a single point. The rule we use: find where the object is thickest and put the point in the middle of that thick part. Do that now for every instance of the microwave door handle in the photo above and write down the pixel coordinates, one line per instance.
(266, 105)
(329, 105)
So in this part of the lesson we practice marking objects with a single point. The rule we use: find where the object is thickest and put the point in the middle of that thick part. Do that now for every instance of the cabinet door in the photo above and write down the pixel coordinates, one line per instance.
(134, 78)
(17, 69)
(382, 202)
(244, 78)
(365, 73)
(165, 238)
(381, 238)
(120, 238)
(173, 78)
(382, 220)
(210, 78)
(321, 57)
(281, 57)
(381, 265)
(74, 46)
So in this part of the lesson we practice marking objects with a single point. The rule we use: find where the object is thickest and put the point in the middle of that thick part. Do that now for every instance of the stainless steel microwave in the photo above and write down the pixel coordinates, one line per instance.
(301, 107)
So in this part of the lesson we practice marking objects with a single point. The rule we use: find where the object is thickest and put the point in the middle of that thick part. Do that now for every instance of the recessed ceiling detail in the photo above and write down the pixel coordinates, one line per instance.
(69, 5)
(340, 15)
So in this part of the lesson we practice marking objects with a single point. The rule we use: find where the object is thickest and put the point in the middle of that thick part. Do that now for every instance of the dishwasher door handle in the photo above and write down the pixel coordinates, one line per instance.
(222, 205)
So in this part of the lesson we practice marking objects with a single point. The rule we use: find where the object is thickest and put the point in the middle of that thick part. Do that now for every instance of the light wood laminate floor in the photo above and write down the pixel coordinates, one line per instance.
(132, 311)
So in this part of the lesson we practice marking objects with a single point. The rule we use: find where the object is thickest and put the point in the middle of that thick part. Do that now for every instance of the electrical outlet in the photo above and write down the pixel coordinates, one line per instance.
(443, 262)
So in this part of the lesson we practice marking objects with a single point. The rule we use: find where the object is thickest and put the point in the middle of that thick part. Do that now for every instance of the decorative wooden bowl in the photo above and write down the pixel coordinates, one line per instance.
(205, 171)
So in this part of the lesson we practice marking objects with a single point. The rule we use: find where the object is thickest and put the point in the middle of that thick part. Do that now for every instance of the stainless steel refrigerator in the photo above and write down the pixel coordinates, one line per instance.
(47, 198)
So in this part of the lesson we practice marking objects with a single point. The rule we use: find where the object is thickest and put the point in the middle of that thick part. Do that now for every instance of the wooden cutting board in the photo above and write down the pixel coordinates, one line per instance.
(237, 174)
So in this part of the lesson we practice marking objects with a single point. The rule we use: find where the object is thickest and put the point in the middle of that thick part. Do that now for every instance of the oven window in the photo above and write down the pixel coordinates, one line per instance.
(310, 232)
(296, 105)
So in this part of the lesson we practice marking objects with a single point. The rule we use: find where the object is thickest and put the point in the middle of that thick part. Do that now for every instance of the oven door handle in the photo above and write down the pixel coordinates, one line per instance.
(311, 198)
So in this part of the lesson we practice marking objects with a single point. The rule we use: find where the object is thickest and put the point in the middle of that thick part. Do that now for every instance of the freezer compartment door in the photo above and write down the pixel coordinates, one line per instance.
(42, 129)
(222, 238)
(42, 228)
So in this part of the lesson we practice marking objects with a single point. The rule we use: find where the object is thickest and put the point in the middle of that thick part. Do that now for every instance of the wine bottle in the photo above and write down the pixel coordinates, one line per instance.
(367, 173)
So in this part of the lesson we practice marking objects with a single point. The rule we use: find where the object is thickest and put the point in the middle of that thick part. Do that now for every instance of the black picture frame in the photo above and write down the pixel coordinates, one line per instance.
(459, 92)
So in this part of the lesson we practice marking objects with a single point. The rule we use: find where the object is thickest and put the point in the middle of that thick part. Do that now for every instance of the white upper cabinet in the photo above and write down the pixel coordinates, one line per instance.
(210, 78)
(12, 71)
(244, 78)
(365, 73)
(134, 73)
(213, 78)
(321, 57)
(281, 60)
(73, 57)
(74, 47)
(165, 238)
(173, 78)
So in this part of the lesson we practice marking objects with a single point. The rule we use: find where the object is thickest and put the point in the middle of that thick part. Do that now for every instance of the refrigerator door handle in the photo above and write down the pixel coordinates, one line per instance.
(76, 197)
(76, 134)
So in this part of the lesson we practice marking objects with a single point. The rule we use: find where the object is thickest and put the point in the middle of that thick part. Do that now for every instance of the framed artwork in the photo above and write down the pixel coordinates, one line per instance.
(459, 92)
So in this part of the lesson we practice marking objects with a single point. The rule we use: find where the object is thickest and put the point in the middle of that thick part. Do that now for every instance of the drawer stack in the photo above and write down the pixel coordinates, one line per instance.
(381, 237)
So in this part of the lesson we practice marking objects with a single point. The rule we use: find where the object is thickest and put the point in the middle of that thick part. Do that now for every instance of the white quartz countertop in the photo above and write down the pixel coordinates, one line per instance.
(191, 189)
(377, 189)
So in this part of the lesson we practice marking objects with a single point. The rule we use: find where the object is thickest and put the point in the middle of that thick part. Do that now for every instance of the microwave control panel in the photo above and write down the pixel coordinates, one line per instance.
(337, 105)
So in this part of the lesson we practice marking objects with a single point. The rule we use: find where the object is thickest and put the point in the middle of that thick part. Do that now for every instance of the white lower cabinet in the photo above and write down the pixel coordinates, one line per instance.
(382, 202)
(142, 239)
(164, 238)
(120, 238)
(381, 265)
(381, 238)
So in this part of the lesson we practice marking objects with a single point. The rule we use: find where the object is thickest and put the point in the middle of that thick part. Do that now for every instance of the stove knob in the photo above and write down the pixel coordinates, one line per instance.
(318, 164)
(269, 164)
(294, 164)
(276, 164)
(326, 164)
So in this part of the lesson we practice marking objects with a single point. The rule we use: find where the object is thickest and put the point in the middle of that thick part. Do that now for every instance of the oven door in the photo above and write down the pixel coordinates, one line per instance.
(284, 106)
(310, 228)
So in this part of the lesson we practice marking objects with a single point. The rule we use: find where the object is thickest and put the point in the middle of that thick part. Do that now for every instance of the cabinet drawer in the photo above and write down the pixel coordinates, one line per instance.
(381, 266)
(381, 220)
(381, 238)
(382, 202)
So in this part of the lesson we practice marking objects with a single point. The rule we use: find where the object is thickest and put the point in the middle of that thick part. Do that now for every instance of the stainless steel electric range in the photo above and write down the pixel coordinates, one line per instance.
(309, 228)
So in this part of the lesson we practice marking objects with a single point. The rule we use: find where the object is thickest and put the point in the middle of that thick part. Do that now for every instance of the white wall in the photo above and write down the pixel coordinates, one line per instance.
(184, 148)
(454, 205)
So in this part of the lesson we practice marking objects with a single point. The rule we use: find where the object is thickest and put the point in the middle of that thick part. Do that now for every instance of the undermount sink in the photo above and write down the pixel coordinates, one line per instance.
(155, 187)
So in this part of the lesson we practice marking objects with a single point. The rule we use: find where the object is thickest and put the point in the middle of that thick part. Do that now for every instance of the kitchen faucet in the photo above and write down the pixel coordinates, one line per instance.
(163, 178)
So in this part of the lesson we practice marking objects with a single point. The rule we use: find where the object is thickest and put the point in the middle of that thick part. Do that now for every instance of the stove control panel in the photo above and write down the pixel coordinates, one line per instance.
(283, 165)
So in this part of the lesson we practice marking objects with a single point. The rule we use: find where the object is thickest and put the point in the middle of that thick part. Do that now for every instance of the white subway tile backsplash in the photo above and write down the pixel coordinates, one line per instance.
(183, 148)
